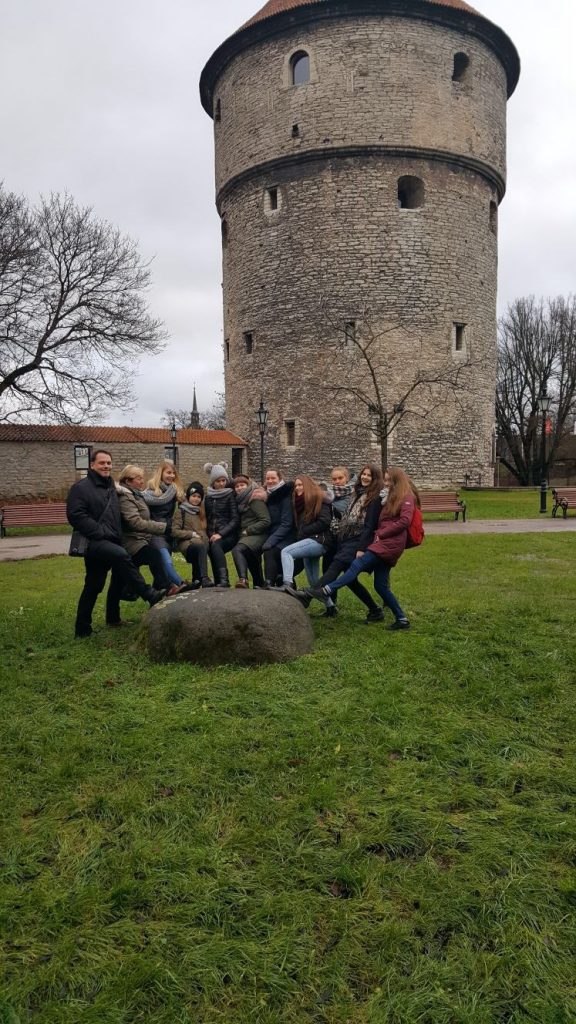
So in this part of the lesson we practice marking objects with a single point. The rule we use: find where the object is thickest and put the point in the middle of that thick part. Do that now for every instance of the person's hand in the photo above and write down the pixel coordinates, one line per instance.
(215, 537)
(359, 554)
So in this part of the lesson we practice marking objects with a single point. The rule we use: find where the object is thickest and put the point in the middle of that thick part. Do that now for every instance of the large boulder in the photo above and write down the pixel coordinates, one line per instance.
(215, 627)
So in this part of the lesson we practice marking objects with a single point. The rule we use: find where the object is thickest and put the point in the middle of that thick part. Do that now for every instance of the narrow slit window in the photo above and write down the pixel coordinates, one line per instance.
(411, 193)
(290, 427)
(227, 350)
(295, 131)
(461, 66)
(350, 333)
(224, 230)
(300, 68)
(273, 198)
(249, 342)
(494, 217)
(459, 337)
(218, 110)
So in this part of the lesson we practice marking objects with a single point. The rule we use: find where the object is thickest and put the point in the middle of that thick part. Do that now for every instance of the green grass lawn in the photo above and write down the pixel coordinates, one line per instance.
(381, 833)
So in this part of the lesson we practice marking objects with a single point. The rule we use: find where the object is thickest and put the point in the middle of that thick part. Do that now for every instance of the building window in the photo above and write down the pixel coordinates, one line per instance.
(290, 427)
(300, 68)
(218, 111)
(249, 342)
(273, 198)
(295, 131)
(82, 458)
(494, 217)
(350, 333)
(461, 66)
(411, 193)
(237, 461)
(224, 230)
(459, 337)
(227, 350)
(171, 453)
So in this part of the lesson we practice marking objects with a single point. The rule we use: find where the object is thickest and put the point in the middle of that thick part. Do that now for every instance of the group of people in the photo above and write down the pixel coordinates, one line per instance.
(336, 531)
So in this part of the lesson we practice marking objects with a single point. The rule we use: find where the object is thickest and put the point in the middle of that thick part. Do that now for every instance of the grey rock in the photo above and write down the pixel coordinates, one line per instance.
(217, 627)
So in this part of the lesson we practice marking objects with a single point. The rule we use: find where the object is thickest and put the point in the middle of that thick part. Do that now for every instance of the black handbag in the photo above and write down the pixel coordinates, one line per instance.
(78, 544)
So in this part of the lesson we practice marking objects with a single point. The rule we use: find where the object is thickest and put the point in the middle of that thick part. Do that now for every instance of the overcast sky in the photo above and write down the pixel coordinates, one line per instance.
(101, 99)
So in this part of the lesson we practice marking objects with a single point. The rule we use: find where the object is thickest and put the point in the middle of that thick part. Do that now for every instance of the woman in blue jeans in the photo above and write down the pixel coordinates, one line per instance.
(399, 499)
(312, 517)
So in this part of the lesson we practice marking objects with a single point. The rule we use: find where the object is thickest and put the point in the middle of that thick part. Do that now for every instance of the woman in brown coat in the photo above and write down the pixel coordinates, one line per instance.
(138, 529)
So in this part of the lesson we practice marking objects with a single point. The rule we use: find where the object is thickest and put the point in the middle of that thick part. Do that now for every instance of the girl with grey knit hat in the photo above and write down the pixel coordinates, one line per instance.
(222, 518)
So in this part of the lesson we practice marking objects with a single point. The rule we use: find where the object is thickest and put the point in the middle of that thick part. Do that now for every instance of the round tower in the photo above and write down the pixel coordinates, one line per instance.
(360, 162)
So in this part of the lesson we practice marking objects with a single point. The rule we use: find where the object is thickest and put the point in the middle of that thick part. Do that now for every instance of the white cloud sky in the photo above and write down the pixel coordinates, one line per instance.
(102, 100)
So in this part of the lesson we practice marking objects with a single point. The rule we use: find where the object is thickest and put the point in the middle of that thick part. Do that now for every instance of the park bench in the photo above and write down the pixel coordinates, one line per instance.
(564, 498)
(46, 513)
(442, 501)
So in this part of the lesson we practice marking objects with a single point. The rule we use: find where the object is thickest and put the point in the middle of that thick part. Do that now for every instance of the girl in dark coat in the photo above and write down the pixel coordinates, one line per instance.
(399, 499)
(312, 516)
(254, 526)
(223, 520)
(282, 528)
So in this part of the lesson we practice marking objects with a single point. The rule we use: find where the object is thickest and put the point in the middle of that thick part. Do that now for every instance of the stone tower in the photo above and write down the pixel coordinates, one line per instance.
(360, 162)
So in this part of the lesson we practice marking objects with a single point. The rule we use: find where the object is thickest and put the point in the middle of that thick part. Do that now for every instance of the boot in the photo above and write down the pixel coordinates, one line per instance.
(155, 596)
(206, 582)
(222, 580)
(242, 585)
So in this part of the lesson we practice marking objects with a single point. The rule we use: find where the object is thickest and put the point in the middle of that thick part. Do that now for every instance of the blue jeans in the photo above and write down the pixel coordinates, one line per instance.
(368, 563)
(169, 568)
(308, 549)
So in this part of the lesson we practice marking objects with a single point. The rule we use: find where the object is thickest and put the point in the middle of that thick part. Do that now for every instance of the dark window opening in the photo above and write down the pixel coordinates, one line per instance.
(290, 426)
(459, 337)
(273, 198)
(350, 333)
(411, 193)
(237, 461)
(494, 217)
(218, 111)
(224, 230)
(461, 65)
(227, 350)
(300, 68)
(295, 131)
(249, 342)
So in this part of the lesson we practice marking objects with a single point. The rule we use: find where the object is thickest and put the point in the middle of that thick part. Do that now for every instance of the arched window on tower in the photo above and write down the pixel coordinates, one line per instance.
(461, 66)
(300, 68)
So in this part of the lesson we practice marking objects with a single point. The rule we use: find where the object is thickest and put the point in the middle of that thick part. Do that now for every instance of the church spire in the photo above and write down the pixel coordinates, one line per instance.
(195, 416)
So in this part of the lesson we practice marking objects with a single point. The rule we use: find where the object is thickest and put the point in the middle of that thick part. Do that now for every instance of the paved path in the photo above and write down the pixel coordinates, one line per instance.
(13, 549)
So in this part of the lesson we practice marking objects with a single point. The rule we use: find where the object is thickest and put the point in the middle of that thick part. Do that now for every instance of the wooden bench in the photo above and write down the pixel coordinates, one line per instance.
(46, 513)
(564, 498)
(442, 501)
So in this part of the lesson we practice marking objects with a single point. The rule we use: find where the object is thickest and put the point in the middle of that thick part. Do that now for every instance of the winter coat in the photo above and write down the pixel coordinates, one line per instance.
(392, 533)
(254, 525)
(186, 530)
(162, 512)
(222, 515)
(317, 529)
(92, 508)
(282, 529)
(137, 526)
(367, 525)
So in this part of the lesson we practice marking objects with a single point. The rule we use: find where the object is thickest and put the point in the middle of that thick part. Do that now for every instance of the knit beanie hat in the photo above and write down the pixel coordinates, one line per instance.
(216, 472)
(195, 488)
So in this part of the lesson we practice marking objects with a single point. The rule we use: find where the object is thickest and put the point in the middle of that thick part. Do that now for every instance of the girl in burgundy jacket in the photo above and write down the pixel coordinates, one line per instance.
(398, 503)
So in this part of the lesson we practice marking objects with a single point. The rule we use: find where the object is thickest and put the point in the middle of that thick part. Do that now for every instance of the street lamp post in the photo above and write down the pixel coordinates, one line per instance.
(543, 405)
(262, 414)
(174, 438)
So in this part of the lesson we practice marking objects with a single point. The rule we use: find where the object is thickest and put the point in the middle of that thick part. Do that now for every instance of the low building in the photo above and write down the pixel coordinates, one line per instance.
(42, 462)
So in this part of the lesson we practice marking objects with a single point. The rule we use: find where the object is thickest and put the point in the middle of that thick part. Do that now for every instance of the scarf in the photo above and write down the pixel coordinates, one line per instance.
(190, 510)
(343, 492)
(243, 497)
(168, 495)
(299, 504)
(275, 488)
(351, 523)
(223, 492)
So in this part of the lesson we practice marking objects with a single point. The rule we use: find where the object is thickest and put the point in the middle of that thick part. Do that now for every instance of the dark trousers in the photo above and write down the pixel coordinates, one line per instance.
(218, 549)
(367, 563)
(197, 557)
(246, 560)
(338, 566)
(272, 564)
(103, 556)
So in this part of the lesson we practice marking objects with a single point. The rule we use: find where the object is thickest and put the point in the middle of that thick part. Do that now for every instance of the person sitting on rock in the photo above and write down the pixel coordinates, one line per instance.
(223, 520)
(189, 531)
(312, 512)
(282, 528)
(163, 491)
(251, 500)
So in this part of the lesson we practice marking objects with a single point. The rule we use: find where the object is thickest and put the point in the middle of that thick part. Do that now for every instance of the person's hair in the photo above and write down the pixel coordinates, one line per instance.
(313, 497)
(340, 469)
(99, 451)
(129, 471)
(400, 487)
(274, 469)
(241, 477)
(156, 479)
(377, 480)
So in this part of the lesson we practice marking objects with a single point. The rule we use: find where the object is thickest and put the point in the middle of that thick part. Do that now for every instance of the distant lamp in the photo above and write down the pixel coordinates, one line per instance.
(174, 438)
(262, 416)
(544, 403)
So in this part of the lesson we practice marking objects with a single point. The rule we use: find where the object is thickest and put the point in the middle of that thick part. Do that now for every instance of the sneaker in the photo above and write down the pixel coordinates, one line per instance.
(400, 624)
(321, 593)
(375, 615)
(301, 595)
(155, 596)
(242, 585)
(177, 588)
(207, 583)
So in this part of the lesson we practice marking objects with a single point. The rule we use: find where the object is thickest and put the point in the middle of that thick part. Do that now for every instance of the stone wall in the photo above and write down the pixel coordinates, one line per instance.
(330, 244)
(39, 470)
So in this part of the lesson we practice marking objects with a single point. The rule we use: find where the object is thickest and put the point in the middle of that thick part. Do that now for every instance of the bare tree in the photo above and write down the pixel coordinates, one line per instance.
(536, 357)
(363, 371)
(180, 417)
(213, 419)
(73, 317)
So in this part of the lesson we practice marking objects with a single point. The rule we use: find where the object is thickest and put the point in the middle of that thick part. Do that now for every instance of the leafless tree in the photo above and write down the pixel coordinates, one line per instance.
(383, 400)
(73, 316)
(180, 417)
(536, 357)
(213, 419)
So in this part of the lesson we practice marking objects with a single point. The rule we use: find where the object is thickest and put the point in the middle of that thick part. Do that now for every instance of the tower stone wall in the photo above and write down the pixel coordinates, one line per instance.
(315, 244)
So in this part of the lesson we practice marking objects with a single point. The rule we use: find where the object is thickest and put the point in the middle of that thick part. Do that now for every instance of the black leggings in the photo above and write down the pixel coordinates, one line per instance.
(245, 560)
(334, 570)
(218, 550)
(197, 557)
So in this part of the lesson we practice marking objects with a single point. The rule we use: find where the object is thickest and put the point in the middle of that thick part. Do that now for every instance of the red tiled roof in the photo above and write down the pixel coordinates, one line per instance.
(279, 6)
(120, 435)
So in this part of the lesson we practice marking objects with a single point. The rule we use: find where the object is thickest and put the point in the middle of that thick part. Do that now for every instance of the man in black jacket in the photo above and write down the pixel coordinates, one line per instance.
(92, 509)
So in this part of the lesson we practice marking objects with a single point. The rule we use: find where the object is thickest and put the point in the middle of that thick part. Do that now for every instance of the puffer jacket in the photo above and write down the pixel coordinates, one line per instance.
(317, 529)
(137, 526)
(222, 515)
(392, 532)
(282, 528)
